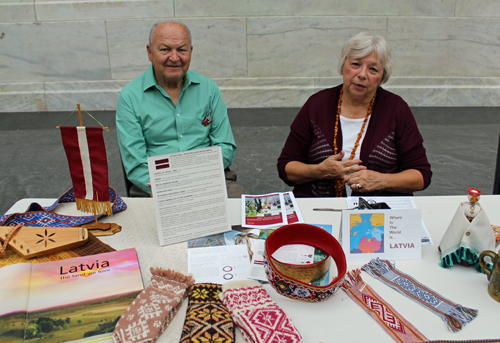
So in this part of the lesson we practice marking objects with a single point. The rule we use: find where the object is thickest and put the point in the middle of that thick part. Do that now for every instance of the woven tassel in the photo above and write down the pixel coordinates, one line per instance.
(93, 206)
(376, 267)
(352, 279)
(463, 315)
(453, 324)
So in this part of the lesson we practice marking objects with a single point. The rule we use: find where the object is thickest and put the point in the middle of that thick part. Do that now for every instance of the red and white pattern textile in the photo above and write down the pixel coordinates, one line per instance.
(389, 319)
(88, 164)
(154, 308)
(259, 318)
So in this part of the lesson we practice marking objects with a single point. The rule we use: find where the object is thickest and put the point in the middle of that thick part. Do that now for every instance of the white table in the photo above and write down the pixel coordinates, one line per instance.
(337, 319)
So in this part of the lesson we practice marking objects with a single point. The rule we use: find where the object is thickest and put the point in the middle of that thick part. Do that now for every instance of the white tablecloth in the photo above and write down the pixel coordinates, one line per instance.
(338, 319)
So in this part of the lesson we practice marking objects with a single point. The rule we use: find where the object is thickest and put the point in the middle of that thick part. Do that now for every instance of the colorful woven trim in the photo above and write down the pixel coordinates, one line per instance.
(386, 316)
(292, 288)
(207, 319)
(37, 215)
(463, 256)
(454, 315)
(313, 236)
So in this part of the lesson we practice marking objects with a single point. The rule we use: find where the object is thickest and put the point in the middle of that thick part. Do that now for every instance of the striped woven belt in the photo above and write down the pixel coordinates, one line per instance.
(40, 216)
(294, 281)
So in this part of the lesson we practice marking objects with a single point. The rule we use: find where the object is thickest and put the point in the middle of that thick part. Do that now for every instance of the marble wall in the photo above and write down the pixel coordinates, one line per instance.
(262, 53)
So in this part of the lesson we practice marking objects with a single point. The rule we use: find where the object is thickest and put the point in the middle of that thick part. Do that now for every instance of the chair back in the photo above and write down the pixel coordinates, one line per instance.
(128, 184)
(496, 183)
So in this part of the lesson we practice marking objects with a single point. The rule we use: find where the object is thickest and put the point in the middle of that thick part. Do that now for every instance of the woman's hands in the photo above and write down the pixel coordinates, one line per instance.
(356, 176)
(331, 168)
(365, 181)
(334, 168)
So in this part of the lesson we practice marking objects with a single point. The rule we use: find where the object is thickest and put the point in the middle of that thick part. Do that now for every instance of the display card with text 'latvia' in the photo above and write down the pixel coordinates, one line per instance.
(389, 234)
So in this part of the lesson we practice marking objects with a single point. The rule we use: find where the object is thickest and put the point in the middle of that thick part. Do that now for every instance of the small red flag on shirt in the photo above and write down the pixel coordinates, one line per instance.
(88, 166)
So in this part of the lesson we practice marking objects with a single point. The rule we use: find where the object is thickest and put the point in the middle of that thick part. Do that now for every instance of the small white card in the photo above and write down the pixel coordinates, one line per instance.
(219, 264)
(388, 234)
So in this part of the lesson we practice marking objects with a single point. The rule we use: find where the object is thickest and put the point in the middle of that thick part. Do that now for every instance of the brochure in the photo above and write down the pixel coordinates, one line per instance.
(269, 210)
(77, 299)
(189, 192)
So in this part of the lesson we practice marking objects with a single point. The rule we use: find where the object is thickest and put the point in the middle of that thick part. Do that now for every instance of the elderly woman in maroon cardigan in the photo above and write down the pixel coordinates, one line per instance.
(356, 138)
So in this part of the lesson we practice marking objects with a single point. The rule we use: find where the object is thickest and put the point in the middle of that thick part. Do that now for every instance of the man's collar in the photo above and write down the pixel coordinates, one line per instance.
(150, 79)
(190, 78)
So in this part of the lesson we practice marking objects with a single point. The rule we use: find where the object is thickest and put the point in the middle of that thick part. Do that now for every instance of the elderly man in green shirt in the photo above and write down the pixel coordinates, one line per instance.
(170, 108)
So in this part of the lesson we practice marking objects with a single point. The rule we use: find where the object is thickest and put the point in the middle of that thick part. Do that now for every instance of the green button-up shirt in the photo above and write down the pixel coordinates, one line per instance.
(149, 124)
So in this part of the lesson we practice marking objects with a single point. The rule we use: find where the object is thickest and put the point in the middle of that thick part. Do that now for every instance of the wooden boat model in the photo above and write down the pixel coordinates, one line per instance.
(30, 241)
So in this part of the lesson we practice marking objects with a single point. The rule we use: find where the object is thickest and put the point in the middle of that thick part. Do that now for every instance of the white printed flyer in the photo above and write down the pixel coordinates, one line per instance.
(189, 192)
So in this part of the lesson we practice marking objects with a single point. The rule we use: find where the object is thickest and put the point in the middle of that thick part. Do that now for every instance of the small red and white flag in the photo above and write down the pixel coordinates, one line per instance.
(162, 164)
(88, 166)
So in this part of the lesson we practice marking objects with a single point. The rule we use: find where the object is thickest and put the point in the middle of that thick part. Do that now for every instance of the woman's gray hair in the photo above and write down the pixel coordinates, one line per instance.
(153, 28)
(361, 45)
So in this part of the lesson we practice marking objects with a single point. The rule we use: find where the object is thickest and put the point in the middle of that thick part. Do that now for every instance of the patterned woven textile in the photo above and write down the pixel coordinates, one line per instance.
(207, 319)
(389, 319)
(88, 167)
(154, 308)
(289, 280)
(259, 318)
(454, 315)
(37, 215)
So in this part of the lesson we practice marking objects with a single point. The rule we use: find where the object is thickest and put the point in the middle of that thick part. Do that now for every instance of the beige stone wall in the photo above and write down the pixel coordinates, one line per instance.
(262, 53)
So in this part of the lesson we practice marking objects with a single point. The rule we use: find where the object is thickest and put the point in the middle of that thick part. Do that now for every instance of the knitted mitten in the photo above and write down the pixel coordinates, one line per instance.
(207, 319)
(153, 309)
(259, 318)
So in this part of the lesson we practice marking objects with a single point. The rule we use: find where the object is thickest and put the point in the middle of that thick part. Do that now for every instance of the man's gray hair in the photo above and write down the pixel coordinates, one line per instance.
(363, 44)
(153, 28)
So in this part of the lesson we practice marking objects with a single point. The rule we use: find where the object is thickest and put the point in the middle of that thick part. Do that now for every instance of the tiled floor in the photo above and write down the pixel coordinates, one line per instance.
(461, 145)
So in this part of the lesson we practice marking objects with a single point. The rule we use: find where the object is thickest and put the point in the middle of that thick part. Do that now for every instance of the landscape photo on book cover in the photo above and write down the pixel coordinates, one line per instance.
(69, 300)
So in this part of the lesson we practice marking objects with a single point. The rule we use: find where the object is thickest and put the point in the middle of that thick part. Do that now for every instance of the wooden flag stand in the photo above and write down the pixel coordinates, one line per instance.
(97, 229)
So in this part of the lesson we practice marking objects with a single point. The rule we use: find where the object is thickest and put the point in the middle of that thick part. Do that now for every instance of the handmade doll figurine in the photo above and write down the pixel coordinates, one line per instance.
(468, 234)
(472, 209)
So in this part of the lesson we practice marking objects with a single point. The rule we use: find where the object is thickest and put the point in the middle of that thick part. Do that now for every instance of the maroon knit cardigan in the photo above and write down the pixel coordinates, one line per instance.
(392, 141)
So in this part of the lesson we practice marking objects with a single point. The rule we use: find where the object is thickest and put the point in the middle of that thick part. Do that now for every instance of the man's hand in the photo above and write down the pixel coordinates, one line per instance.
(151, 195)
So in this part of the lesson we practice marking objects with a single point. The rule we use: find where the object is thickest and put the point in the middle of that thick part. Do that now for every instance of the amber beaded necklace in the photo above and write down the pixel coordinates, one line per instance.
(339, 184)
